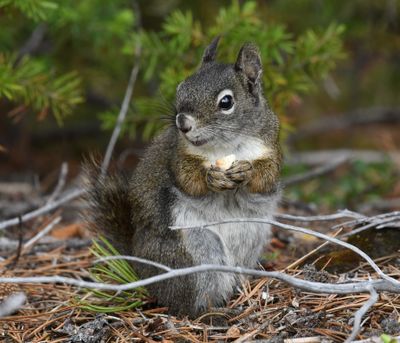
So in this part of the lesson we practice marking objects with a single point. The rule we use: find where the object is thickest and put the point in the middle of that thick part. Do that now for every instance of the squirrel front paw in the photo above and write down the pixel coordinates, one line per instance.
(217, 180)
(240, 172)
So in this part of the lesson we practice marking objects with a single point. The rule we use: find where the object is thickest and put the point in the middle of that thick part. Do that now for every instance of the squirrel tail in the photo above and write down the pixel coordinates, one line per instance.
(109, 210)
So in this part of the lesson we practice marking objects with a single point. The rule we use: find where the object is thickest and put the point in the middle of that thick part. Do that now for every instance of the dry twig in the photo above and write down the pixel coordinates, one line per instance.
(344, 121)
(359, 314)
(60, 183)
(374, 266)
(42, 233)
(127, 98)
(68, 196)
(328, 217)
(318, 171)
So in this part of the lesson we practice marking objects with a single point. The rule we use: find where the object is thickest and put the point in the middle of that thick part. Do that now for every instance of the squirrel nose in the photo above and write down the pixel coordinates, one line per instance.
(184, 122)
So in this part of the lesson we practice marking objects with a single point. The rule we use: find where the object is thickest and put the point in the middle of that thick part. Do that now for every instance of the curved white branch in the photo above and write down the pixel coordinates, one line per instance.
(328, 217)
(302, 230)
(361, 311)
(135, 259)
(318, 287)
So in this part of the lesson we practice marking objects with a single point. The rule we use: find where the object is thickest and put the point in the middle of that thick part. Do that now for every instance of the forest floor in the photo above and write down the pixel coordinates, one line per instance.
(263, 309)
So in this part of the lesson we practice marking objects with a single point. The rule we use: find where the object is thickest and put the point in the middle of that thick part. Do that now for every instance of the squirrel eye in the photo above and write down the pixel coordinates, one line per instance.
(225, 101)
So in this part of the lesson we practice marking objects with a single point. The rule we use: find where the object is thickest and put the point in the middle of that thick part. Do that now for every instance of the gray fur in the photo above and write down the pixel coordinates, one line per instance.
(157, 201)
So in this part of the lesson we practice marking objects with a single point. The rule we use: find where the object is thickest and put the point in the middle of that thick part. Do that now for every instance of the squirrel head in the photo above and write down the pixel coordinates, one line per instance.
(222, 101)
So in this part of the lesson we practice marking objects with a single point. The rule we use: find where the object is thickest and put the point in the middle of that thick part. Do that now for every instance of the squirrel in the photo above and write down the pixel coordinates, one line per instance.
(220, 110)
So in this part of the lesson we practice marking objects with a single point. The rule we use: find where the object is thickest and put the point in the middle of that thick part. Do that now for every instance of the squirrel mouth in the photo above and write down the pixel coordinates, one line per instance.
(198, 142)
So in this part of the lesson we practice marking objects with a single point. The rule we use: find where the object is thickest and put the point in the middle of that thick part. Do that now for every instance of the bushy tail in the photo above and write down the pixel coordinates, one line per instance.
(109, 210)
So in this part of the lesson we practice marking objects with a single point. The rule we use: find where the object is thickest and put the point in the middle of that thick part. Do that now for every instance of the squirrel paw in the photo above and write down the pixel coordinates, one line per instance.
(240, 172)
(217, 180)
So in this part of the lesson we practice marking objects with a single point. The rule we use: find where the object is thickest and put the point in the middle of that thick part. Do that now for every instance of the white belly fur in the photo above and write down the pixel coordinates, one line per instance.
(235, 244)
(242, 242)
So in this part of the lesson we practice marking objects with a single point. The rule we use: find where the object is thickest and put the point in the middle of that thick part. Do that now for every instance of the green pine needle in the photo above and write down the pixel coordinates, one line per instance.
(115, 272)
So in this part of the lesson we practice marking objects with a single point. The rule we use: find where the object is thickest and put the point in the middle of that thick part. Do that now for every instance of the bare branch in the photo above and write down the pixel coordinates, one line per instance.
(364, 116)
(326, 156)
(135, 259)
(328, 217)
(32, 44)
(359, 314)
(125, 102)
(310, 286)
(378, 224)
(60, 183)
(318, 171)
(42, 210)
(381, 205)
(380, 221)
(120, 119)
(302, 230)
(42, 233)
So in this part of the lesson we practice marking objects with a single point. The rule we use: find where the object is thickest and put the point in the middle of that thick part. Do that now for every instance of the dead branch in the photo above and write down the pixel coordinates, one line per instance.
(328, 217)
(42, 233)
(135, 259)
(364, 116)
(121, 115)
(378, 224)
(310, 286)
(361, 253)
(32, 43)
(359, 314)
(60, 183)
(380, 221)
(7, 244)
(321, 157)
(381, 205)
(318, 171)
(68, 196)
(127, 98)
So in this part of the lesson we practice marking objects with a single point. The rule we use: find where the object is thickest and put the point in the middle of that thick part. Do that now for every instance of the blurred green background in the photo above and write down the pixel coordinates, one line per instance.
(64, 67)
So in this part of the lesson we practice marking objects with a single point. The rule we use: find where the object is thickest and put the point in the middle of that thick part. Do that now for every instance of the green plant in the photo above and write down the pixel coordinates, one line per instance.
(292, 65)
(77, 43)
(111, 271)
(84, 39)
(31, 83)
(34, 9)
(388, 339)
(358, 183)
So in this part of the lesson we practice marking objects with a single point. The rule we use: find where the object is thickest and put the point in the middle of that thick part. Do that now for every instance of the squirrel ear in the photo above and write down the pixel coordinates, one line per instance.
(211, 51)
(249, 62)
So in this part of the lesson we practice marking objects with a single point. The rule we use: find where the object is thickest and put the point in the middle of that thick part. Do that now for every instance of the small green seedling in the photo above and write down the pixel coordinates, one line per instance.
(388, 339)
(115, 272)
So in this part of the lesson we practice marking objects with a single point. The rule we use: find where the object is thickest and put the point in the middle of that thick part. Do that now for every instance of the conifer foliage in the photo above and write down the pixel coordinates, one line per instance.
(89, 45)
(30, 82)
(292, 64)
